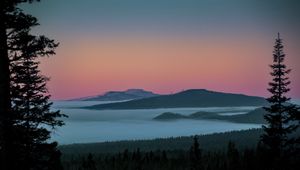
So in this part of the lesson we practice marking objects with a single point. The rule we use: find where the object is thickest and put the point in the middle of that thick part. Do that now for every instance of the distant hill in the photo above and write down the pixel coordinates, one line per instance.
(169, 116)
(129, 94)
(255, 116)
(188, 98)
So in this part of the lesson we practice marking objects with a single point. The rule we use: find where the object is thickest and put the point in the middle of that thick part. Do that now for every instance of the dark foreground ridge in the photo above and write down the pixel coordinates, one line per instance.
(188, 98)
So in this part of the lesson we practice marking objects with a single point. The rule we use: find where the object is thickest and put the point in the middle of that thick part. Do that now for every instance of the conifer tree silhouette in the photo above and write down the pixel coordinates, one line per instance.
(281, 114)
(25, 116)
(196, 155)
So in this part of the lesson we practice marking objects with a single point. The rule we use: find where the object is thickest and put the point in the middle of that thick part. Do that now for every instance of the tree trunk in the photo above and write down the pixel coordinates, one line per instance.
(5, 101)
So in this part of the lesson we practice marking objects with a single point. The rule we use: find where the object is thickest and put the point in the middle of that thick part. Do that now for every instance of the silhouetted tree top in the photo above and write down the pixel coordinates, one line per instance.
(280, 114)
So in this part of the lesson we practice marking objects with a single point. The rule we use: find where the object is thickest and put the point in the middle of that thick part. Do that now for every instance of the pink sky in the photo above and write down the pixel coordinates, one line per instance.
(166, 46)
(93, 66)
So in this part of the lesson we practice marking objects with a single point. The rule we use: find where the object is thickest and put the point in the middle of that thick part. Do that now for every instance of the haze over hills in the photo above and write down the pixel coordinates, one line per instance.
(129, 94)
(188, 98)
(254, 116)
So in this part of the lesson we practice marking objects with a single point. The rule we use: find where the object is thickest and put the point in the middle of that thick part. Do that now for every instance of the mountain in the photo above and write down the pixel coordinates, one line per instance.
(188, 98)
(255, 116)
(169, 116)
(129, 94)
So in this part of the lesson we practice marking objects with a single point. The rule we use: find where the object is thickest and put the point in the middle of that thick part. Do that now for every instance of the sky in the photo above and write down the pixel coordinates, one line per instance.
(166, 46)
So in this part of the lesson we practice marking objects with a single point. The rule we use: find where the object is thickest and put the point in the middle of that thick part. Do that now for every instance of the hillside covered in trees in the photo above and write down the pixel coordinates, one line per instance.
(230, 150)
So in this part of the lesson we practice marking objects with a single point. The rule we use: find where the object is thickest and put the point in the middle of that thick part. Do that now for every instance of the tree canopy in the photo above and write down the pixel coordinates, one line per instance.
(26, 120)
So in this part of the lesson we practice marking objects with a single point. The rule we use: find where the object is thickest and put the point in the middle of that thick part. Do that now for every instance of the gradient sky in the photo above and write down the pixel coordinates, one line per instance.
(166, 45)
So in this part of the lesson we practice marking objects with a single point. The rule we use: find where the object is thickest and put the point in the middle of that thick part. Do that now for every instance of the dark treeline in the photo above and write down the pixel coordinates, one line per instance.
(210, 142)
(230, 158)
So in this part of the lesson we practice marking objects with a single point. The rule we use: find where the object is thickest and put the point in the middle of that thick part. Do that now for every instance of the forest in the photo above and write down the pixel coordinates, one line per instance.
(212, 142)
(195, 158)
(229, 150)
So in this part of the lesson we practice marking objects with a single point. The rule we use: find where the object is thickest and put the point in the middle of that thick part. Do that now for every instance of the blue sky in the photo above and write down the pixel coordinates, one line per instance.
(158, 16)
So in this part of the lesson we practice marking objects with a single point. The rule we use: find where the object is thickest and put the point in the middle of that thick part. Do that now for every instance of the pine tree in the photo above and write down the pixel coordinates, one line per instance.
(31, 106)
(27, 121)
(280, 116)
(196, 155)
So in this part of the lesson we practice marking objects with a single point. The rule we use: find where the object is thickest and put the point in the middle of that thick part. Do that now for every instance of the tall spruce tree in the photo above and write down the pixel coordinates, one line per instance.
(281, 117)
(25, 119)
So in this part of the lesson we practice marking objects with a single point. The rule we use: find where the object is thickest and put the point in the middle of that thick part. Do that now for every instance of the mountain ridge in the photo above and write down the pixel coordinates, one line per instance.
(188, 98)
(129, 94)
